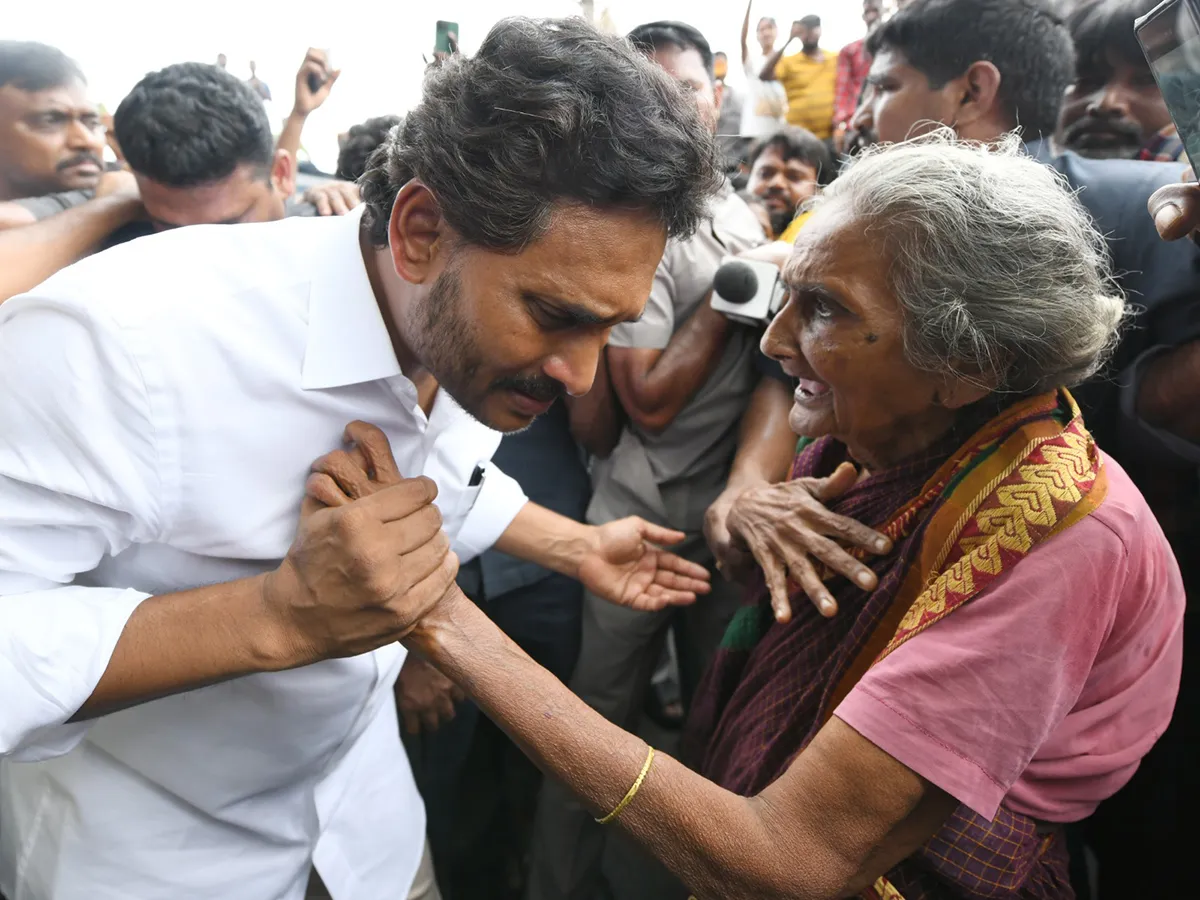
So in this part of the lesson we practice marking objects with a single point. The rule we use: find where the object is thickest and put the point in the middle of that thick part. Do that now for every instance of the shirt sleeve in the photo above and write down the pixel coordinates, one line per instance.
(78, 481)
(499, 500)
(967, 703)
(52, 204)
(654, 329)
(845, 90)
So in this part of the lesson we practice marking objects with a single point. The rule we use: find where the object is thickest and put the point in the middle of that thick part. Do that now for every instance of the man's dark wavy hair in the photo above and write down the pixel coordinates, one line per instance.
(192, 123)
(548, 111)
(794, 142)
(362, 140)
(1101, 27)
(1024, 39)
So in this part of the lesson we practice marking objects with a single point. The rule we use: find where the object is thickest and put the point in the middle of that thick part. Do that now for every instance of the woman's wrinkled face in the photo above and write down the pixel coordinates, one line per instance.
(841, 334)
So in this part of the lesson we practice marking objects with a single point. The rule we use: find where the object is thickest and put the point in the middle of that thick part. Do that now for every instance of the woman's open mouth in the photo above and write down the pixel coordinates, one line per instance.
(809, 390)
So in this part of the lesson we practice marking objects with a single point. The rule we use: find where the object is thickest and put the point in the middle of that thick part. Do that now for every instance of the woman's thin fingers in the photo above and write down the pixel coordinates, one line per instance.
(838, 560)
(805, 575)
(776, 578)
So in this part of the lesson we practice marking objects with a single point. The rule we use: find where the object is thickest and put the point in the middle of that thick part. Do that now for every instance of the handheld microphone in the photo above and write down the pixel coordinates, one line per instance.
(747, 290)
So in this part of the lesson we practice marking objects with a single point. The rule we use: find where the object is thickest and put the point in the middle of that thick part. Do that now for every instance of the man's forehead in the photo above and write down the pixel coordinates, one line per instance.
(71, 96)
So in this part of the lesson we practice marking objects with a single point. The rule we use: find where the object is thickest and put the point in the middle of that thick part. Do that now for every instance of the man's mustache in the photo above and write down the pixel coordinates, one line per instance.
(79, 159)
(543, 389)
(1126, 130)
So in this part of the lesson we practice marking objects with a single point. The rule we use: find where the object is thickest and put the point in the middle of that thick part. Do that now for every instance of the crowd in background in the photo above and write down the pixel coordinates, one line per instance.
(688, 415)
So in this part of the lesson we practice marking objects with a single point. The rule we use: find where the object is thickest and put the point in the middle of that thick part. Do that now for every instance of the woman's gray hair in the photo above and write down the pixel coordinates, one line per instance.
(1001, 276)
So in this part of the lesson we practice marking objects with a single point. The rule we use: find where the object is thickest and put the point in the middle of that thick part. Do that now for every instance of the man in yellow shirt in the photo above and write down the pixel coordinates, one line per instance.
(808, 78)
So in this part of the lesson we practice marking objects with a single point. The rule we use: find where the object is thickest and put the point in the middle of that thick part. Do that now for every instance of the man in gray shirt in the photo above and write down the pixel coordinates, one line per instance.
(683, 374)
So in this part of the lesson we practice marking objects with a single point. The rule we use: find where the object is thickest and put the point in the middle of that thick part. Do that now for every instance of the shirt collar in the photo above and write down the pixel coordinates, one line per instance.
(348, 342)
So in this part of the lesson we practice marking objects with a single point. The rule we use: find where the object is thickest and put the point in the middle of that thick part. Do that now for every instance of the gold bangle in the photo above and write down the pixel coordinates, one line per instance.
(637, 786)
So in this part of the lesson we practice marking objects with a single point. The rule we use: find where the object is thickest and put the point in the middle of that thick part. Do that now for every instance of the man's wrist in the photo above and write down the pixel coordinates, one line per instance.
(298, 115)
(120, 209)
(573, 548)
(271, 639)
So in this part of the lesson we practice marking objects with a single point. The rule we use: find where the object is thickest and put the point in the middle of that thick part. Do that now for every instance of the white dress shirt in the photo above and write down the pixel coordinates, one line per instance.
(160, 407)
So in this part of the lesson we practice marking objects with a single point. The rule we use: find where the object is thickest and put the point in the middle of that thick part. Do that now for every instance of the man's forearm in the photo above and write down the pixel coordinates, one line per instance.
(768, 72)
(289, 138)
(178, 642)
(553, 541)
(659, 394)
(766, 442)
(1169, 396)
(32, 253)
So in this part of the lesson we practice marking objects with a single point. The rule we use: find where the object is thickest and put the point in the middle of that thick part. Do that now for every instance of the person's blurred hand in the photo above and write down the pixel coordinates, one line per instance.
(776, 252)
(425, 697)
(733, 558)
(333, 198)
(1175, 209)
(118, 183)
(797, 31)
(315, 67)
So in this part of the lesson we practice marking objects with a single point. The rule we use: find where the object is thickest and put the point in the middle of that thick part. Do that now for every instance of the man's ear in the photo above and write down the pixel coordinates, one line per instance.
(283, 173)
(416, 232)
(978, 91)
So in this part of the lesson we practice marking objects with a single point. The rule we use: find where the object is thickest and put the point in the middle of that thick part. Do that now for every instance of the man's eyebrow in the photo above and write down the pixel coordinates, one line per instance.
(579, 316)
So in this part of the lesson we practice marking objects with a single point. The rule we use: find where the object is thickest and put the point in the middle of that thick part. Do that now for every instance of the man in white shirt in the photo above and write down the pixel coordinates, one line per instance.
(766, 103)
(183, 714)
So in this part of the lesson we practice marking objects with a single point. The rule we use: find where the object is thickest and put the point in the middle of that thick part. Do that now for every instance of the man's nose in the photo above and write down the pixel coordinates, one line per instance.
(574, 366)
(1113, 100)
(81, 137)
(864, 117)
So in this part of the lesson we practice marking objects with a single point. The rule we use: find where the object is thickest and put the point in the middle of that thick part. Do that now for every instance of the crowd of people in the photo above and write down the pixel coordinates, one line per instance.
(326, 536)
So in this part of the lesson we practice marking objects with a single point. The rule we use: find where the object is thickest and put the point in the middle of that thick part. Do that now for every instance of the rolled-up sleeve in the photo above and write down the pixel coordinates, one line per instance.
(79, 480)
(499, 500)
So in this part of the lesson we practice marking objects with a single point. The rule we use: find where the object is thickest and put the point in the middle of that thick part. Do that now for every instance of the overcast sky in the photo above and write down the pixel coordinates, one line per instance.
(378, 45)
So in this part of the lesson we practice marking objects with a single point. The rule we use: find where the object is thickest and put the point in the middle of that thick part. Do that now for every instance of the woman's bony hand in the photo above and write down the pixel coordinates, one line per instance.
(787, 527)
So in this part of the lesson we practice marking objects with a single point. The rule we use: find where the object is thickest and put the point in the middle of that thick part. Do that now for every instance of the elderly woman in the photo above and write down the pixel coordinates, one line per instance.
(1007, 653)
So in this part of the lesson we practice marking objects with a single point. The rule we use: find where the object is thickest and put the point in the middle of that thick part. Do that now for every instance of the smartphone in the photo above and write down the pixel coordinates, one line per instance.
(446, 40)
(1170, 38)
(316, 81)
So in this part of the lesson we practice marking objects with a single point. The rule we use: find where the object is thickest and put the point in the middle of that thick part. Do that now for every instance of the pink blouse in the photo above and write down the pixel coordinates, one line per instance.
(1046, 690)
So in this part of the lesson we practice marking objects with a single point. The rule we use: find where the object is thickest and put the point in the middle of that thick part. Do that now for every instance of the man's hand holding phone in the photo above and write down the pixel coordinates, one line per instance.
(314, 80)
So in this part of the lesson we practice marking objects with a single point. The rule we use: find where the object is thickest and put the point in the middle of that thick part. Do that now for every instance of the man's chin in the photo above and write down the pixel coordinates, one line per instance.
(497, 415)
(1107, 151)
(81, 181)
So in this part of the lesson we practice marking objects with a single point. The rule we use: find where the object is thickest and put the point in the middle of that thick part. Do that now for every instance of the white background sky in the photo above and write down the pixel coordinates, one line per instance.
(377, 45)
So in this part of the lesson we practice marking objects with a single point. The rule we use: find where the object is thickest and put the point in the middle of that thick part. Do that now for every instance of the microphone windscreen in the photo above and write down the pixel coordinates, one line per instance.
(735, 282)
